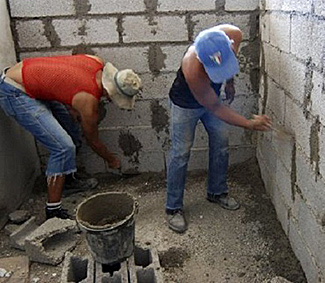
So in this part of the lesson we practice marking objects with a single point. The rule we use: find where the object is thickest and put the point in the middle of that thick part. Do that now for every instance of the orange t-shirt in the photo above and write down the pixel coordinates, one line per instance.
(61, 77)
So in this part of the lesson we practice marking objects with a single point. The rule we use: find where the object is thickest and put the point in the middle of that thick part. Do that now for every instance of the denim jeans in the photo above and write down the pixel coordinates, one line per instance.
(48, 121)
(183, 124)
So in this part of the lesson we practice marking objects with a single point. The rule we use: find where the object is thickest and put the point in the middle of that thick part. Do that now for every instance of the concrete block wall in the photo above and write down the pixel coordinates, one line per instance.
(292, 92)
(149, 37)
(19, 163)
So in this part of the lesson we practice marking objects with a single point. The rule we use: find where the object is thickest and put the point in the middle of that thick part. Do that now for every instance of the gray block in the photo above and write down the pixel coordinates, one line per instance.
(19, 216)
(18, 236)
(77, 269)
(117, 273)
(144, 266)
(49, 242)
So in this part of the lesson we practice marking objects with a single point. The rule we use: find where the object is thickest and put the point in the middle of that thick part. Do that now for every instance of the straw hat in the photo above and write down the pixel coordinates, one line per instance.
(122, 86)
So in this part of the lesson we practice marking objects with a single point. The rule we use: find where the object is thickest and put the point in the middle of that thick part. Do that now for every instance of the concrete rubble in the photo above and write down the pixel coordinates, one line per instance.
(49, 242)
(19, 216)
(18, 236)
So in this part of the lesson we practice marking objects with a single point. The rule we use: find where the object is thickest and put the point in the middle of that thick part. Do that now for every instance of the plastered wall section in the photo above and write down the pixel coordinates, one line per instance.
(151, 38)
(18, 158)
(292, 92)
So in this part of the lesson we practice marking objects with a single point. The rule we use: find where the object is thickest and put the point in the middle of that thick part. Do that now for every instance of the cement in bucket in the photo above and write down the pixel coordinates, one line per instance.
(108, 221)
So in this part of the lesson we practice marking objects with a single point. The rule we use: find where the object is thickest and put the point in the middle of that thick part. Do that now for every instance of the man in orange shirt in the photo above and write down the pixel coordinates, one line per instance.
(30, 89)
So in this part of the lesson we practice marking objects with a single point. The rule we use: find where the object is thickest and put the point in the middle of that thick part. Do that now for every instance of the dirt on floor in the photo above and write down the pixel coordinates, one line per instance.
(247, 245)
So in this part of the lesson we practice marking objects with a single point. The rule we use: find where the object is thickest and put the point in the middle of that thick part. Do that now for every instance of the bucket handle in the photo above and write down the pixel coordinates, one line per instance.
(136, 204)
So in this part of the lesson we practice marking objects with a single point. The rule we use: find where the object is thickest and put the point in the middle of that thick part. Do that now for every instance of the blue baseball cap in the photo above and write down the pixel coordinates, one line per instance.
(213, 49)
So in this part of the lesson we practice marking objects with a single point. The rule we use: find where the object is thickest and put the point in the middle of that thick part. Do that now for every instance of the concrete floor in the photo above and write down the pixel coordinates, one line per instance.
(247, 245)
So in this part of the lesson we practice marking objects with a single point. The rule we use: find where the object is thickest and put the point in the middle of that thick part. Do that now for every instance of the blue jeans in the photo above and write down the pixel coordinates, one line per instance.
(183, 124)
(49, 122)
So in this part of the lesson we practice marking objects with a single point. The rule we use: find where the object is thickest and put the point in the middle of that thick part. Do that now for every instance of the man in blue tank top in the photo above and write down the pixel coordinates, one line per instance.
(194, 96)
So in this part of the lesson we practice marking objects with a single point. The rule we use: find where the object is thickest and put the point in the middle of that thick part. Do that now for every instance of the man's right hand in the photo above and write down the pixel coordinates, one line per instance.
(260, 123)
(114, 162)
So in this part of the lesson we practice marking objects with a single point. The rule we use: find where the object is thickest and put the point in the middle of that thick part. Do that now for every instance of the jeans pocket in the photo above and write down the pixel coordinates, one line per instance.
(6, 106)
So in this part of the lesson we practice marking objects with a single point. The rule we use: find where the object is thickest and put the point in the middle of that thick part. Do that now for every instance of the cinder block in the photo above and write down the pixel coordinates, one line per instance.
(31, 34)
(49, 242)
(271, 57)
(265, 27)
(163, 28)
(297, 123)
(185, 5)
(322, 151)
(233, 5)
(24, 55)
(273, 4)
(174, 55)
(135, 58)
(117, 273)
(280, 31)
(317, 107)
(17, 238)
(309, 225)
(157, 87)
(300, 248)
(276, 100)
(45, 8)
(281, 208)
(206, 21)
(311, 189)
(92, 31)
(144, 266)
(292, 76)
(78, 269)
(317, 47)
(239, 154)
(319, 7)
(283, 177)
(303, 6)
(116, 6)
(301, 41)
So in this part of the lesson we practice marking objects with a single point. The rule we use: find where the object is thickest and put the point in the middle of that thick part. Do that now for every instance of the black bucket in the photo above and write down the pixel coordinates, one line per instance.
(108, 221)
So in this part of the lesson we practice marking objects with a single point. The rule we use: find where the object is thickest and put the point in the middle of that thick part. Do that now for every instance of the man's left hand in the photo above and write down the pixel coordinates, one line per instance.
(230, 91)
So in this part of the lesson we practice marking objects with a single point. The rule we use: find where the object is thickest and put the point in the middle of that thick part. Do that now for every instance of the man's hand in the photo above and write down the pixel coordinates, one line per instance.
(114, 162)
(260, 123)
(230, 91)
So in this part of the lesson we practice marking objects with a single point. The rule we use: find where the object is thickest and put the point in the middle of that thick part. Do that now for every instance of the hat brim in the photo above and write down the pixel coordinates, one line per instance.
(218, 74)
(118, 98)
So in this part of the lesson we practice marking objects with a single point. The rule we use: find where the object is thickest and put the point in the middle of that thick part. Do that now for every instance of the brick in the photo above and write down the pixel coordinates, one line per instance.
(292, 76)
(31, 34)
(116, 6)
(135, 58)
(301, 44)
(17, 238)
(50, 241)
(276, 101)
(163, 28)
(303, 6)
(280, 31)
(45, 8)
(319, 7)
(206, 21)
(157, 87)
(93, 31)
(234, 5)
(301, 251)
(185, 5)
(308, 225)
(174, 55)
(318, 107)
